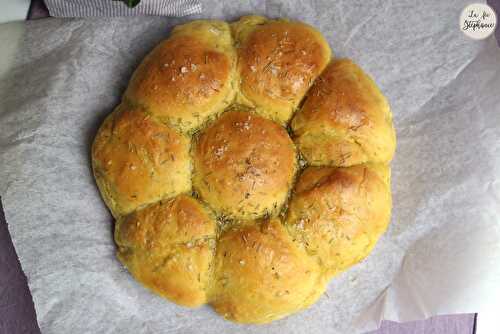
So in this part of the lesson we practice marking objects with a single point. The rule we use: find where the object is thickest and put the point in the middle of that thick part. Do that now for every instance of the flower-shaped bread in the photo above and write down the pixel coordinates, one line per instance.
(245, 167)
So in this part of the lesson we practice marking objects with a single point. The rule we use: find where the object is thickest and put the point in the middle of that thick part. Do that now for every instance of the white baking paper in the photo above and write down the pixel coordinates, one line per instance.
(440, 255)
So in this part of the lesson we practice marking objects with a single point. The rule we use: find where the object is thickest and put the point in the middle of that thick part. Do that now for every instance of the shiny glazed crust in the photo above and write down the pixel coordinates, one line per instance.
(345, 119)
(244, 165)
(278, 61)
(137, 160)
(245, 168)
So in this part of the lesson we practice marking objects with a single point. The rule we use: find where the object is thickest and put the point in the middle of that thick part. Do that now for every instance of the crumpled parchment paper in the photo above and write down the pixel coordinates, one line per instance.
(440, 255)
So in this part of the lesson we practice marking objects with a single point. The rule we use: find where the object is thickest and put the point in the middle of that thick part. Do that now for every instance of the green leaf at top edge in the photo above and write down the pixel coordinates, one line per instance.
(130, 3)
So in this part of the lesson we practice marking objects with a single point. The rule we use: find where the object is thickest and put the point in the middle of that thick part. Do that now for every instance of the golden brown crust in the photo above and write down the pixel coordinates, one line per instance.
(244, 165)
(215, 98)
(345, 119)
(278, 60)
(187, 78)
(168, 247)
(339, 213)
(137, 160)
(261, 275)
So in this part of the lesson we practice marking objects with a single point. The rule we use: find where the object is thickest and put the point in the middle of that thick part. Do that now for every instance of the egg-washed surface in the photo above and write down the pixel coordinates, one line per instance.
(245, 167)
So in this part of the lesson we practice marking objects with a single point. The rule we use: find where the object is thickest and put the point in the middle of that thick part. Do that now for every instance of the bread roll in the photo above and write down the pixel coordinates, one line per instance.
(138, 160)
(278, 61)
(338, 214)
(261, 275)
(345, 119)
(168, 246)
(244, 165)
(187, 78)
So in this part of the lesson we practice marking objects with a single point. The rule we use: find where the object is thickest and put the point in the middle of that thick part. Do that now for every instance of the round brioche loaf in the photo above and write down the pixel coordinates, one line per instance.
(245, 167)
